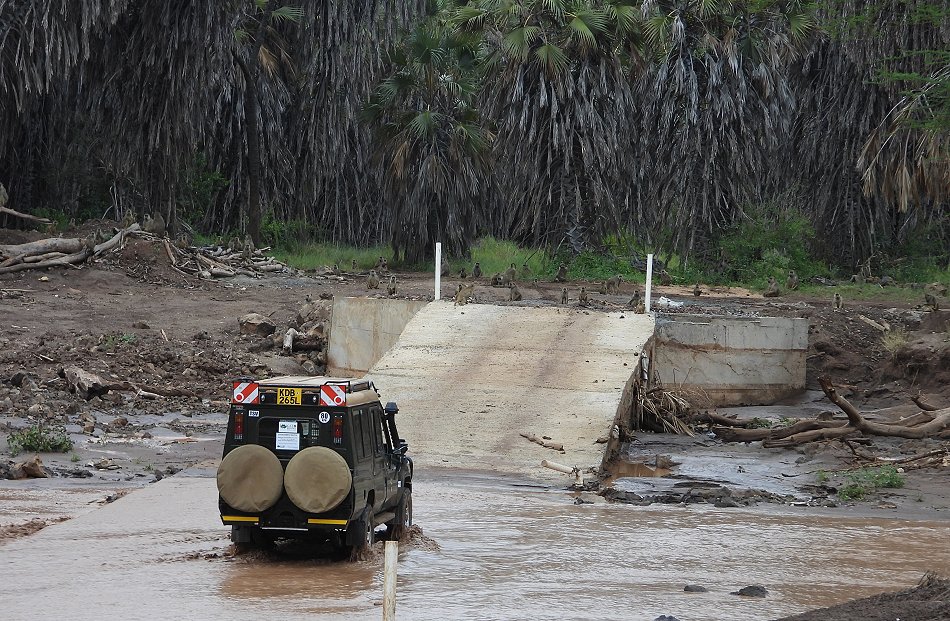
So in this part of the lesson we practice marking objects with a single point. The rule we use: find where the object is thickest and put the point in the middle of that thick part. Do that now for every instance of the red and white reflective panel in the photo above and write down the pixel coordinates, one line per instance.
(332, 395)
(245, 392)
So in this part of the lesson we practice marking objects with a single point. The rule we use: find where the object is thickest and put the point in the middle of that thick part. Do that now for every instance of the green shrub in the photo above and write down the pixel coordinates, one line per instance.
(40, 439)
(864, 481)
(770, 242)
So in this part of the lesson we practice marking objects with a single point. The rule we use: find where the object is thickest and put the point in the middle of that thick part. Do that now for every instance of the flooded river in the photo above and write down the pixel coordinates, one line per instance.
(505, 551)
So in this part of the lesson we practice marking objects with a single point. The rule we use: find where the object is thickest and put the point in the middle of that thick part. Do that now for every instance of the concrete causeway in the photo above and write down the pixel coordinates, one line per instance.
(470, 379)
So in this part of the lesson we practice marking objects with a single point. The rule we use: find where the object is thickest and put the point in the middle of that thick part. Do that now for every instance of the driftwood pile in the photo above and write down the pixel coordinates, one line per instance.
(218, 262)
(202, 262)
(58, 251)
(930, 422)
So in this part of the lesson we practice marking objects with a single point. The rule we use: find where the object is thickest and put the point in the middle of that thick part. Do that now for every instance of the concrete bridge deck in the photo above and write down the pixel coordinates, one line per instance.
(470, 379)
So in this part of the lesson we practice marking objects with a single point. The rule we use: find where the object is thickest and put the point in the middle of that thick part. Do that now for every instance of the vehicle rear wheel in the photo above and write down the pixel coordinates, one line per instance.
(399, 526)
(362, 533)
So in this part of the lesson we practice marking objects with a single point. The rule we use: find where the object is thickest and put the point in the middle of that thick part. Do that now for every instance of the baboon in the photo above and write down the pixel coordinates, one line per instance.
(235, 244)
(154, 225)
(509, 276)
(696, 290)
(336, 268)
(372, 281)
(563, 295)
(791, 283)
(89, 243)
(561, 273)
(857, 279)
(837, 303)
(128, 220)
(382, 264)
(462, 274)
(772, 291)
(496, 279)
(664, 277)
(477, 270)
(635, 299)
(514, 293)
(391, 289)
(931, 301)
(612, 285)
(464, 293)
(353, 266)
(640, 309)
(886, 281)
(444, 268)
(582, 297)
(183, 241)
(248, 246)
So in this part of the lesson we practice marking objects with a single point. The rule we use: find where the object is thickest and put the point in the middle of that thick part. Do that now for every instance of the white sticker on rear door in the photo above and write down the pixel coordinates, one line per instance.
(288, 441)
(287, 426)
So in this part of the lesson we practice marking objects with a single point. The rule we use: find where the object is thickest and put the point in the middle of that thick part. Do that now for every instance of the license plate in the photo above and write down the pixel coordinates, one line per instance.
(289, 396)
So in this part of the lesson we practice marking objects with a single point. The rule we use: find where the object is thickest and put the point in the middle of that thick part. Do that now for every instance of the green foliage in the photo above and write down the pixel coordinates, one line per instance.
(40, 439)
(769, 241)
(759, 423)
(821, 477)
(592, 265)
(199, 190)
(109, 342)
(496, 256)
(316, 255)
(286, 234)
(866, 480)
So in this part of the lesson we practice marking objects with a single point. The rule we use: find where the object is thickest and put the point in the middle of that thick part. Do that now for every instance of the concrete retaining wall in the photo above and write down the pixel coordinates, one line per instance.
(362, 330)
(731, 360)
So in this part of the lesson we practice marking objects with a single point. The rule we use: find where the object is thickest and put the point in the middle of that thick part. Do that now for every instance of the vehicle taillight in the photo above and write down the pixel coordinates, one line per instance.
(338, 430)
(238, 426)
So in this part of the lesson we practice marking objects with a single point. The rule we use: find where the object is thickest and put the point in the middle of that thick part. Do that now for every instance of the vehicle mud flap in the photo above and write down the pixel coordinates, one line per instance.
(359, 535)
(240, 534)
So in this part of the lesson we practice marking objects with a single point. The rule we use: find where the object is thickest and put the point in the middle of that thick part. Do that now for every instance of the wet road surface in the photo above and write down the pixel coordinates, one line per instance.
(505, 551)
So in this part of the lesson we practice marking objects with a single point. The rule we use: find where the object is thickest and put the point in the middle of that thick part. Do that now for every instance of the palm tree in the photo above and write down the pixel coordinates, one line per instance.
(261, 53)
(432, 147)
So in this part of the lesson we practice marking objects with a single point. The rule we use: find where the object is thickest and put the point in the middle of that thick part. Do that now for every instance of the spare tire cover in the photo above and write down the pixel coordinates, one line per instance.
(317, 479)
(250, 478)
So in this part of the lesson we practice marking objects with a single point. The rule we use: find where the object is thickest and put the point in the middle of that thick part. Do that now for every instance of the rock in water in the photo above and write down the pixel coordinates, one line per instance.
(254, 323)
(694, 588)
(753, 590)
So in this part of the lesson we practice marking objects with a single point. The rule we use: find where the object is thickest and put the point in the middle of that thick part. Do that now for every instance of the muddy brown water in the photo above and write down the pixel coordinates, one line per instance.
(505, 551)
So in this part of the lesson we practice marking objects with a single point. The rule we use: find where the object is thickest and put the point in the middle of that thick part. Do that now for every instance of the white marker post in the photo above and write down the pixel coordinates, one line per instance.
(438, 271)
(646, 298)
(389, 581)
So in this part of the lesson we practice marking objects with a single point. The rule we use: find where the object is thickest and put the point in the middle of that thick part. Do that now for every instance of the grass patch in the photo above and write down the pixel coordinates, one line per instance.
(894, 340)
(317, 255)
(863, 482)
(497, 255)
(40, 439)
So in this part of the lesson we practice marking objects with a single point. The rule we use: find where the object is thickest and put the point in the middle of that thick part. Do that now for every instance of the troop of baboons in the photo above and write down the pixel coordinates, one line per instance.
(508, 279)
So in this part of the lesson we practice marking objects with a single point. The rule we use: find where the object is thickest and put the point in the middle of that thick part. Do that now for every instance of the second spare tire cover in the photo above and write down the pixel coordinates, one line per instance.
(317, 479)
(250, 478)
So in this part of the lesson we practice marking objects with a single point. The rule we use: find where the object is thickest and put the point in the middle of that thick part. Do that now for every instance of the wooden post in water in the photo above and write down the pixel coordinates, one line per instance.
(389, 581)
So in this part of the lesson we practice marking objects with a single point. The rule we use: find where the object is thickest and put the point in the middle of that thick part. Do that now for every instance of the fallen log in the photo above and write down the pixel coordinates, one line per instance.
(923, 405)
(731, 434)
(69, 259)
(940, 422)
(835, 433)
(554, 446)
(24, 216)
(715, 417)
(116, 239)
(67, 245)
